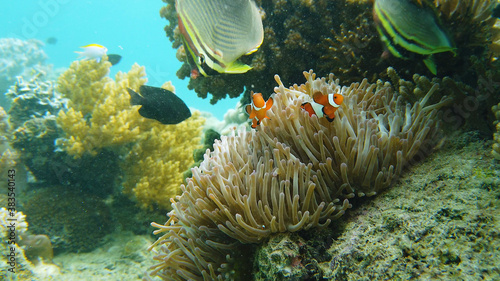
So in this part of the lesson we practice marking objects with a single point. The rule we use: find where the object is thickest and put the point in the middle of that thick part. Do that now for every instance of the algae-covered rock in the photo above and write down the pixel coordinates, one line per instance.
(440, 222)
(75, 221)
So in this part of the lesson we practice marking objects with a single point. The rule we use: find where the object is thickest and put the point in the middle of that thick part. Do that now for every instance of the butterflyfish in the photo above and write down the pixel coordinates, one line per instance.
(323, 105)
(409, 28)
(159, 104)
(92, 51)
(257, 110)
(216, 33)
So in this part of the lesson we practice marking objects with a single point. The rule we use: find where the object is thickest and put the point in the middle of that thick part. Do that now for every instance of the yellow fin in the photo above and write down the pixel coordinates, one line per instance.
(431, 65)
(93, 45)
(237, 67)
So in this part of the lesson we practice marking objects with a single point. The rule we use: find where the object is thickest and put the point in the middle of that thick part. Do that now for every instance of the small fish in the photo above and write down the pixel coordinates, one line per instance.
(411, 28)
(216, 33)
(258, 108)
(114, 58)
(159, 104)
(51, 40)
(93, 51)
(323, 105)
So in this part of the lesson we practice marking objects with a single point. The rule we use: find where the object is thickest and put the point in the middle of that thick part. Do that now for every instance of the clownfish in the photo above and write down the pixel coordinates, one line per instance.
(258, 108)
(323, 105)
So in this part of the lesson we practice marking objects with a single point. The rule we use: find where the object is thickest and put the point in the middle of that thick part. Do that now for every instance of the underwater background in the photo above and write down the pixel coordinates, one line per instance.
(129, 29)
(343, 140)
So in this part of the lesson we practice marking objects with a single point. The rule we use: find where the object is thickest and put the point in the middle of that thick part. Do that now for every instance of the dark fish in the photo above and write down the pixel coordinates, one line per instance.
(114, 58)
(51, 40)
(159, 104)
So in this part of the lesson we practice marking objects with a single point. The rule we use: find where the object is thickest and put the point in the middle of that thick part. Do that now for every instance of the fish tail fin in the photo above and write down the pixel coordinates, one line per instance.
(135, 98)
(237, 67)
(80, 54)
(431, 65)
(329, 112)
(255, 123)
(269, 103)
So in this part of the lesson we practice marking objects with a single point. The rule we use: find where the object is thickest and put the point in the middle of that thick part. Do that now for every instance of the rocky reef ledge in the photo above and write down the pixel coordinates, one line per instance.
(440, 221)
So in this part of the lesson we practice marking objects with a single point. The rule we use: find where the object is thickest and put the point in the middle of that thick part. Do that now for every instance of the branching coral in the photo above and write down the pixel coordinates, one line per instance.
(476, 10)
(14, 264)
(296, 172)
(99, 113)
(4, 126)
(349, 51)
(20, 57)
(155, 164)
(470, 25)
(33, 125)
(7, 157)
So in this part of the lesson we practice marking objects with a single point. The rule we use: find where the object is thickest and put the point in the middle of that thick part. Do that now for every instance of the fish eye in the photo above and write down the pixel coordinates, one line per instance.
(201, 59)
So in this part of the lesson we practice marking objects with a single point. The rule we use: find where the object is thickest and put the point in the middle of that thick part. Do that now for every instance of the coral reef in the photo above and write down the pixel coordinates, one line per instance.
(404, 233)
(8, 157)
(99, 114)
(209, 137)
(152, 178)
(496, 135)
(339, 37)
(121, 256)
(37, 248)
(295, 173)
(32, 119)
(495, 40)
(296, 36)
(75, 221)
(233, 119)
(20, 58)
(4, 126)
(474, 17)
(8, 160)
(20, 265)
(101, 125)
(34, 131)
(289, 256)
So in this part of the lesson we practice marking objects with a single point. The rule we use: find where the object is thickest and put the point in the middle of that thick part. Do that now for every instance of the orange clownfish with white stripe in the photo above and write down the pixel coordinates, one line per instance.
(323, 105)
(258, 108)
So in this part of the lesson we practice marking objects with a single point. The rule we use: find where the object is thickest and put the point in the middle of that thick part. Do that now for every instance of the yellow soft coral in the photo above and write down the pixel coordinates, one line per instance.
(154, 166)
(99, 114)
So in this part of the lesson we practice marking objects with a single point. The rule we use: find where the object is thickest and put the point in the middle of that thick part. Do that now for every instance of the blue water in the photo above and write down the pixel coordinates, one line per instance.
(131, 28)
